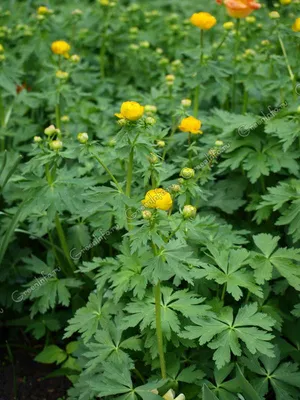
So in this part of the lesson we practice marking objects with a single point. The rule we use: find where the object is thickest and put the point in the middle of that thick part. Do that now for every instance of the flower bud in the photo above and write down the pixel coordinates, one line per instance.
(186, 102)
(153, 158)
(1, 48)
(2, 57)
(187, 173)
(56, 145)
(298, 110)
(112, 143)
(150, 121)
(274, 15)
(150, 109)
(147, 214)
(161, 143)
(77, 11)
(228, 26)
(104, 2)
(50, 130)
(133, 30)
(251, 19)
(65, 118)
(37, 139)
(170, 79)
(122, 122)
(75, 58)
(164, 61)
(180, 181)
(82, 137)
(175, 188)
(219, 143)
(159, 50)
(133, 46)
(61, 75)
(265, 42)
(189, 211)
(145, 44)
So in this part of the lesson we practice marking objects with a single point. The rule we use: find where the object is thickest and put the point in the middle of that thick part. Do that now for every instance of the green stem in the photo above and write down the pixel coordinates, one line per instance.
(102, 58)
(109, 172)
(63, 241)
(2, 123)
(236, 48)
(214, 53)
(159, 335)
(292, 76)
(197, 89)
(223, 292)
(129, 173)
(57, 111)
(245, 103)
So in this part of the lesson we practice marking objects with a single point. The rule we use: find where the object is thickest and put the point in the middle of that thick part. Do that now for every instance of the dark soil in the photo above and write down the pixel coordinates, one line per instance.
(30, 378)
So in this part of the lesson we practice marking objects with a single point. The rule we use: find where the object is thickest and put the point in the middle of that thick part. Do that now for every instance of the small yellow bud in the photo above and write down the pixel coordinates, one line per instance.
(186, 102)
(219, 143)
(83, 137)
(145, 44)
(65, 118)
(56, 145)
(150, 121)
(285, 2)
(265, 42)
(159, 50)
(61, 75)
(112, 143)
(37, 139)
(161, 143)
(228, 26)
(251, 19)
(147, 214)
(187, 173)
(189, 211)
(1, 48)
(274, 15)
(50, 130)
(133, 46)
(75, 58)
(153, 158)
(150, 109)
(170, 78)
(77, 11)
(175, 188)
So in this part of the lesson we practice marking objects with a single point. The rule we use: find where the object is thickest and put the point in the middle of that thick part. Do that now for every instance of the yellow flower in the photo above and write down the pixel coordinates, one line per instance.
(203, 20)
(191, 125)
(131, 110)
(60, 47)
(296, 25)
(228, 25)
(159, 199)
(285, 2)
(42, 10)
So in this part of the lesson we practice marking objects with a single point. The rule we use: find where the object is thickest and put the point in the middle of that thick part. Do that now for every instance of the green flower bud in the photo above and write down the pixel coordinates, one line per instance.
(37, 139)
(189, 211)
(56, 145)
(187, 173)
(161, 143)
(50, 130)
(83, 137)
(147, 214)
(175, 188)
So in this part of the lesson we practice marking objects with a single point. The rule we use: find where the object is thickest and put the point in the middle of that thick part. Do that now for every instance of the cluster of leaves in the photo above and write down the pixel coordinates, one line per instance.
(79, 261)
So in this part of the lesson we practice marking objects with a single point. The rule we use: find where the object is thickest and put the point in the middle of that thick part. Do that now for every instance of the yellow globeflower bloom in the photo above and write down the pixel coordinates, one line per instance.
(60, 47)
(131, 110)
(159, 199)
(191, 125)
(43, 10)
(203, 20)
(296, 25)
(285, 2)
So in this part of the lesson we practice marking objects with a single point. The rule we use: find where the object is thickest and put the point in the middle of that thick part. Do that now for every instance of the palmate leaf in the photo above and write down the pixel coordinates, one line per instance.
(116, 380)
(286, 198)
(283, 377)
(230, 270)
(285, 261)
(174, 306)
(88, 319)
(108, 345)
(224, 333)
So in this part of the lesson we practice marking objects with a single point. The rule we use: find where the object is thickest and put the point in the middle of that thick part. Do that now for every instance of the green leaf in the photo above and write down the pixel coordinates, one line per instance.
(207, 394)
(51, 354)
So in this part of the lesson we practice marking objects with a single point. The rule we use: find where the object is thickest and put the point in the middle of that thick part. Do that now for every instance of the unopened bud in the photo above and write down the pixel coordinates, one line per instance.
(37, 139)
(82, 137)
(175, 188)
(153, 158)
(56, 145)
(147, 214)
(50, 130)
(187, 173)
(161, 143)
(189, 211)
(150, 121)
(186, 102)
(219, 143)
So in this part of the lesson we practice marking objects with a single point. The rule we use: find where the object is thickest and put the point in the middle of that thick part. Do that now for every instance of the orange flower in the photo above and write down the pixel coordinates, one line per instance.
(240, 8)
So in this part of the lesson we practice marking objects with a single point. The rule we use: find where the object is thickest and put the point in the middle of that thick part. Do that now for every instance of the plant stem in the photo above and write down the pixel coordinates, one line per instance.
(63, 241)
(129, 173)
(197, 89)
(292, 76)
(223, 292)
(2, 123)
(245, 103)
(57, 111)
(219, 45)
(109, 172)
(159, 335)
(236, 48)
(102, 58)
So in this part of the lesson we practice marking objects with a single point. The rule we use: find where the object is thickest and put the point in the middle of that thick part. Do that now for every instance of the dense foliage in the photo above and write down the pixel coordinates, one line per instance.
(135, 290)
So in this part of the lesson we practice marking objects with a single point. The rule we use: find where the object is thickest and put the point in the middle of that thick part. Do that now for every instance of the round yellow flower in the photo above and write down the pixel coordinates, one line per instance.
(60, 47)
(159, 199)
(285, 2)
(228, 25)
(43, 10)
(131, 110)
(203, 20)
(191, 125)
(296, 25)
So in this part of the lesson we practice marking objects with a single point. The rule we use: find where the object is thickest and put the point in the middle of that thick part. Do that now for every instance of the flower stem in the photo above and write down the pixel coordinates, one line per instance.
(159, 335)
(197, 89)
(2, 123)
(129, 173)
(63, 241)
(292, 76)
(57, 111)
(236, 48)
(109, 172)
(223, 292)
